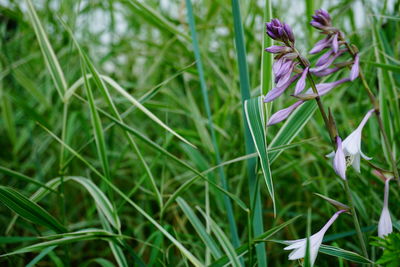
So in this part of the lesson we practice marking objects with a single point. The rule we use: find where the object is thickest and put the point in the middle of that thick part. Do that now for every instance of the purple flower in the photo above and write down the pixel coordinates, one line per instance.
(321, 44)
(283, 113)
(335, 43)
(355, 69)
(339, 161)
(276, 49)
(324, 58)
(301, 83)
(277, 91)
(329, 61)
(324, 88)
(280, 32)
(385, 226)
(299, 246)
(321, 20)
(325, 72)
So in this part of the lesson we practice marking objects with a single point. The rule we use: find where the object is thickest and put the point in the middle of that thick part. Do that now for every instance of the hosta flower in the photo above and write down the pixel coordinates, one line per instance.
(355, 69)
(283, 113)
(385, 222)
(280, 31)
(352, 145)
(339, 161)
(299, 246)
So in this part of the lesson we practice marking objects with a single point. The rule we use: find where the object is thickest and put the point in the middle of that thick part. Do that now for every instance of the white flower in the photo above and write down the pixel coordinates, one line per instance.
(299, 246)
(385, 222)
(352, 145)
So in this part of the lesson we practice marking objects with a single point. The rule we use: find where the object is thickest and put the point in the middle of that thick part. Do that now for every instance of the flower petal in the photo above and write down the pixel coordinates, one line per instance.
(385, 226)
(301, 83)
(355, 69)
(339, 161)
(320, 45)
(283, 113)
(278, 91)
(335, 43)
(356, 162)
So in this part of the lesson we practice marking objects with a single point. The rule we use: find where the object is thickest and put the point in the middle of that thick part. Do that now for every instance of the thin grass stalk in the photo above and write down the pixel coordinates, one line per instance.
(258, 224)
(204, 91)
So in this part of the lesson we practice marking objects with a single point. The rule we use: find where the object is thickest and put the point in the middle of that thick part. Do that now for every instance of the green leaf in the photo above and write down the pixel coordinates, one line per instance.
(199, 227)
(50, 58)
(28, 209)
(345, 254)
(255, 118)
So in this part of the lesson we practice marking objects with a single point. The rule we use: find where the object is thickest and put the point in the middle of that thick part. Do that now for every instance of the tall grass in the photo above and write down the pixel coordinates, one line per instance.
(133, 133)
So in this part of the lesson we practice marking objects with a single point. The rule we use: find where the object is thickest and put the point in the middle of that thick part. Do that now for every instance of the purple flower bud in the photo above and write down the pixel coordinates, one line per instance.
(320, 45)
(321, 19)
(301, 83)
(328, 62)
(355, 69)
(339, 161)
(277, 65)
(276, 49)
(283, 113)
(284, 69)
(280, 31)
(324, 58)
(285, 75)
(289, 32)
(325, 72)
(324, 88)
(277, 91)
(335, 43)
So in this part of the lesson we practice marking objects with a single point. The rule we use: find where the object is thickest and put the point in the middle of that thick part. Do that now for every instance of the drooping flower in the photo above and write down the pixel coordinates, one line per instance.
(299, 246)
(277, 91)
(385, 222)
(339, 161)
(283, 113)
(352, 145)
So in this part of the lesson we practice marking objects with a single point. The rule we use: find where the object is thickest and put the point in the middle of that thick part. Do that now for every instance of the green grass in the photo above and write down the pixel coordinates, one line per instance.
(133, 133)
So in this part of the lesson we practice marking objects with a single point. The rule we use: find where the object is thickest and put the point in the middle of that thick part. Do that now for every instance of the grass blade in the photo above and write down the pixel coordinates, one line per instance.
(204, 91)
(258, 225)
(254, 110)
(28, 209)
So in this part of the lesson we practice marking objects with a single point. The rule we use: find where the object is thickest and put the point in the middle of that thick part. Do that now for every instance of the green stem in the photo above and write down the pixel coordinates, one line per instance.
(355, 219)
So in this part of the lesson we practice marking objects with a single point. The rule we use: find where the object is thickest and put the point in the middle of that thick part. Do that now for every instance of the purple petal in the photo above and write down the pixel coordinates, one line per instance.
(355, 69)
(339, 161)
(275, 49)
(277, 65)
(285, 75)
(301, 83)
(335, 44)
(283, 70)
(316, 24)
(277, 91)
(320, 45)
(324, 88)
(289, 32)
(328, 62)
(272, 35)
(324, 58)
(283, 113)
(325, 72)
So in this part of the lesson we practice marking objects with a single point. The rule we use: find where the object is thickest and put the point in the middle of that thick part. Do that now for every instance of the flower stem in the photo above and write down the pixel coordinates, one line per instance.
(355, 219)
(375, 103)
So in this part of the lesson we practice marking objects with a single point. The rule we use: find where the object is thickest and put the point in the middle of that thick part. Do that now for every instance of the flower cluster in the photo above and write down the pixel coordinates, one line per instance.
(291, 68)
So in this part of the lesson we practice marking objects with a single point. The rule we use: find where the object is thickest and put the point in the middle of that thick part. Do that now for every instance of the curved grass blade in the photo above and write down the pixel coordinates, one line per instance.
(255, 194)
(184, 251)
(224, 241)
(92, 234)
(50, 58)
(199, 227)
(254, 111)
(28, 209)
(344, 254)
(204, 91)
(23, 177)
